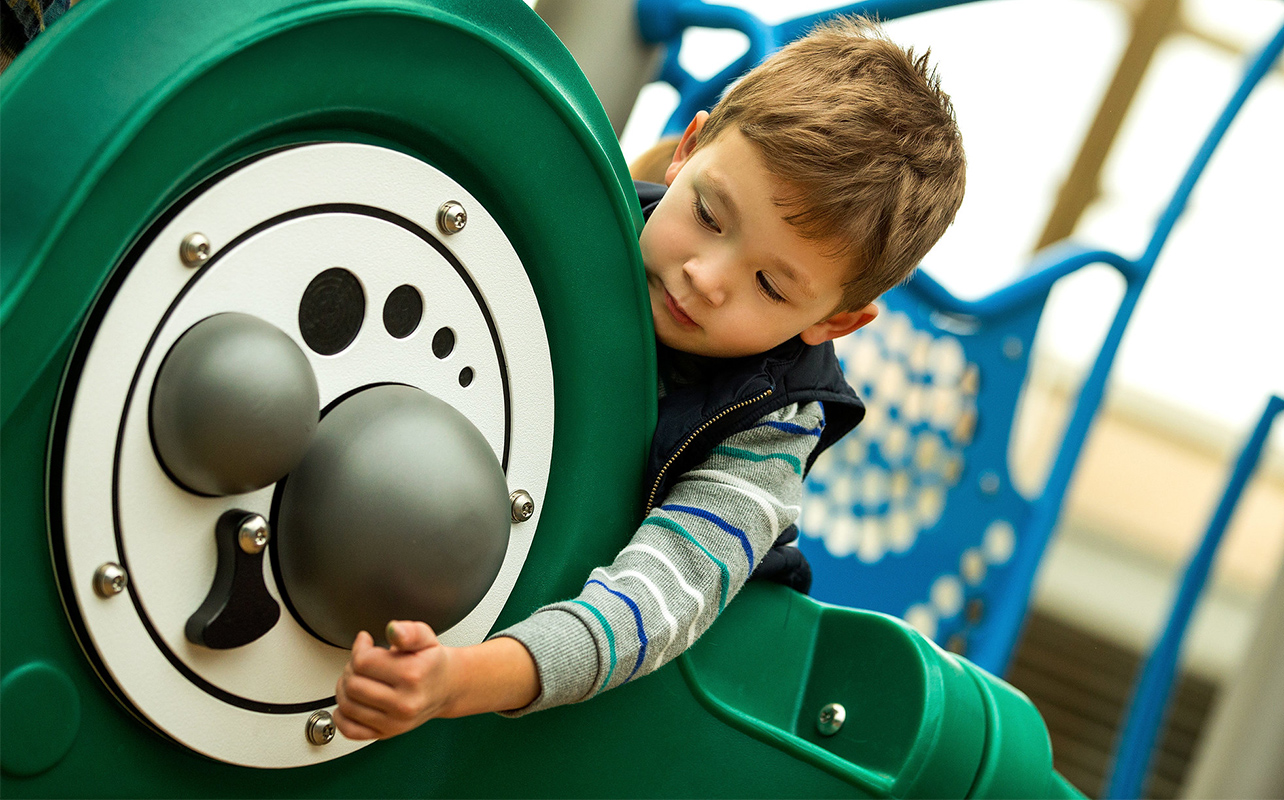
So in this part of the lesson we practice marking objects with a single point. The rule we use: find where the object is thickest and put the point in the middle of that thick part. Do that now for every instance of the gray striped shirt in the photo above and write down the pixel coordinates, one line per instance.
(688, 559)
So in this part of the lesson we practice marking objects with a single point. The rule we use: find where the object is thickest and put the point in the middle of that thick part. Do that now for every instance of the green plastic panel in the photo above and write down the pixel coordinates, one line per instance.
(920, 722)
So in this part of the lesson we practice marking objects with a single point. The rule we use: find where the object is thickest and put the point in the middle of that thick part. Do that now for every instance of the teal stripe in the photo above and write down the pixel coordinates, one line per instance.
(749, 455)
(610, 641)
(665, 522)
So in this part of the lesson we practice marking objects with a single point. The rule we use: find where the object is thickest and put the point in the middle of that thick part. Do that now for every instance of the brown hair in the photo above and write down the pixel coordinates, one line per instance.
(865, 141)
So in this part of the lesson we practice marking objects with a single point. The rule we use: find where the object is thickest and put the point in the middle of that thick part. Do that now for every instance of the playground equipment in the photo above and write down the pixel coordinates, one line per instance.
(1150, 697)
(270, 226)
(915, 513)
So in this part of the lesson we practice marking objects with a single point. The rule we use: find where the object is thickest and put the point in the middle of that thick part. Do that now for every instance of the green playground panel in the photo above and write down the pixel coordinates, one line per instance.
(126, 106)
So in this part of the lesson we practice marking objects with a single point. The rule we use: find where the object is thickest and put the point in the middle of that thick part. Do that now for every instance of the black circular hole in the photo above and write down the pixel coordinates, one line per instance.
(465, 376)
(331, 311)
(402, 311)
(443, 342)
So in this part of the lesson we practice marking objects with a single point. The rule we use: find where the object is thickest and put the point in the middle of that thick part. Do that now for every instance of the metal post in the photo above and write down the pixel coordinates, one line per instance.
(1151, 25)
(603, 37)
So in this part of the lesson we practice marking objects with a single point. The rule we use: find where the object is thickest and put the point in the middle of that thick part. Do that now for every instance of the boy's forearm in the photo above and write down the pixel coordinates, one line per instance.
(496, 675)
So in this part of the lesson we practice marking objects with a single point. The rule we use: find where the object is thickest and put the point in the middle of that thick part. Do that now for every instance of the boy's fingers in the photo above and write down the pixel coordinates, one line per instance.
(410, 636)
(369, 692)
(363, 641)
(372, 719)
(352, 729)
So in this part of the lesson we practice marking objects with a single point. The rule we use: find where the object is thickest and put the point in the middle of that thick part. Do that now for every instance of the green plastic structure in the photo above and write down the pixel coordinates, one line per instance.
(126, 107)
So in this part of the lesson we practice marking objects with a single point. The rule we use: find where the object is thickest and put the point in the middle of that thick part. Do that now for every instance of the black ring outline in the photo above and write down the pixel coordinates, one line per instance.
(71, 381)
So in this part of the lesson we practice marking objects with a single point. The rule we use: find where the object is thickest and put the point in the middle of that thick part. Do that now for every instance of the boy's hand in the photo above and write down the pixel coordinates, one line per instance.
(384, 692)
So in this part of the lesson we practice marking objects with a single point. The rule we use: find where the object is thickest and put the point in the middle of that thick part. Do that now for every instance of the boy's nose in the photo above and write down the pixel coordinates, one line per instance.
(707, 280)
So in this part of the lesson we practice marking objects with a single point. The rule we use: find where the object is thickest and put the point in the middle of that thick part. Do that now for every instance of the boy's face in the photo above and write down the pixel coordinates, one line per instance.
(727, 275)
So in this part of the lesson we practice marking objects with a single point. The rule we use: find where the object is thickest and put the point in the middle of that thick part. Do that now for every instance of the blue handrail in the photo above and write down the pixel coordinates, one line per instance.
(1047, 508)
(1150, 699)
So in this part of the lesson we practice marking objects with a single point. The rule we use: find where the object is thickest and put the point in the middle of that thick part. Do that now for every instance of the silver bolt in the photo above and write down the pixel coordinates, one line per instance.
(990, 482)
(110, 580)
(253, 535)
(320, 728)
(195, 249)
(831, 719)
(523, 505)
(1012, 348)
(451, 217)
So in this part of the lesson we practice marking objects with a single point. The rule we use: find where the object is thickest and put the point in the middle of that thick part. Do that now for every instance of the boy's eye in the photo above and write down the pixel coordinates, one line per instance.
(769, 290)
(702, 214)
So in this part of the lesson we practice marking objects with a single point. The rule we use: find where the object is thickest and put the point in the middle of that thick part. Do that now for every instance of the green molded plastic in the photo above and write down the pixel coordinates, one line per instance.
(125, 106)
(920, 722)
(41, 718)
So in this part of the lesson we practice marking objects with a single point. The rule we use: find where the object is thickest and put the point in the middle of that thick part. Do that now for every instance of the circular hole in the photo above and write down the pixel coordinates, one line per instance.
(402, 311)
(331, 311)
(443, 342)
(465, 376)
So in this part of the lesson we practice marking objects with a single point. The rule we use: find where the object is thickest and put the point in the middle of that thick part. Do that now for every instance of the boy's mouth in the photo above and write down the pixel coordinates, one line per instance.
(676, 311)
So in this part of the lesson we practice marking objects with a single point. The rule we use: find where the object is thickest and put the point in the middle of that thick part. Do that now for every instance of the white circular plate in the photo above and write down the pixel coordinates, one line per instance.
(274, 225)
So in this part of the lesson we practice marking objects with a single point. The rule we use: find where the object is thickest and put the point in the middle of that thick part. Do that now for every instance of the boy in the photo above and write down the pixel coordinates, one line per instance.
(816, 184)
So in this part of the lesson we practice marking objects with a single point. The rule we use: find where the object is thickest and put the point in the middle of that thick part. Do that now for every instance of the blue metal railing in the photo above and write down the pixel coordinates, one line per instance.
(1150, 698)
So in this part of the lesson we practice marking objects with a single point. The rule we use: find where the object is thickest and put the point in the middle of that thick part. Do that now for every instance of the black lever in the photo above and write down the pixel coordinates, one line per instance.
(238, 608)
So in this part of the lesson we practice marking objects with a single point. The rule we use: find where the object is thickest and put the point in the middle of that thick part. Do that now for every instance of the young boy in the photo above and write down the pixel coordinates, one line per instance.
(816, 184)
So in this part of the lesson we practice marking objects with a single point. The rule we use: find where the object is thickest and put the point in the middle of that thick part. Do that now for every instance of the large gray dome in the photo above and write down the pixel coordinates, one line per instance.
(399, 510)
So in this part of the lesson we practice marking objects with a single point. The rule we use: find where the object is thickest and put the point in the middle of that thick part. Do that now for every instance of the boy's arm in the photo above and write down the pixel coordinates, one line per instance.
(691, 555)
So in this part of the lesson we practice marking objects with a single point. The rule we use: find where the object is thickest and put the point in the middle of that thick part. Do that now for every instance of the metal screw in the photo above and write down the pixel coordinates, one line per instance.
(1012, 348)
(110, 580)
(253, 534)
(195, 249)
(451, 217)
(320, 728)
(523, 505)
(831, 719)
(990, 482)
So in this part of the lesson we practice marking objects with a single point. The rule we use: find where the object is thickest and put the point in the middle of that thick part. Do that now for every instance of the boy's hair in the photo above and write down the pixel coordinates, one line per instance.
(866, 141)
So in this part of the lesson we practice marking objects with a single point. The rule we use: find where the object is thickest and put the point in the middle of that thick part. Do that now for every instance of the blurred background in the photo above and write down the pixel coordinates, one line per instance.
(1079, 117)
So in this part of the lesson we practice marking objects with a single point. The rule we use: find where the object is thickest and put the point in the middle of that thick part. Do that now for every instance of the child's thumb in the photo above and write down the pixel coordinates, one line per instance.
(410, 636)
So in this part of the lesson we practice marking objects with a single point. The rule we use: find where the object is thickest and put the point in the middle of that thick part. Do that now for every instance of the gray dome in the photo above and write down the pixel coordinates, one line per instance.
(399, 510)
(234, 405)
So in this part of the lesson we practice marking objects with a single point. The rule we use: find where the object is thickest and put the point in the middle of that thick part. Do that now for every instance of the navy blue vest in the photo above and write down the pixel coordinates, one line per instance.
(708, 399)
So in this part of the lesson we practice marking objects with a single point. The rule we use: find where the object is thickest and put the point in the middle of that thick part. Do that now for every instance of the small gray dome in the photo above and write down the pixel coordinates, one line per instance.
(234, 405)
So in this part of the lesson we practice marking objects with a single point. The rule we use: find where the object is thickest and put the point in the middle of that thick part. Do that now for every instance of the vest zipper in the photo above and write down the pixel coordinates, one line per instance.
(650, 501)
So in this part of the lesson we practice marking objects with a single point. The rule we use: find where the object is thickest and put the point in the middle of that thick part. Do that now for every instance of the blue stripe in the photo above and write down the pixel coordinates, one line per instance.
(720, 522)
(610, 640)
(789, 427)
(665, 522)
(637, 617)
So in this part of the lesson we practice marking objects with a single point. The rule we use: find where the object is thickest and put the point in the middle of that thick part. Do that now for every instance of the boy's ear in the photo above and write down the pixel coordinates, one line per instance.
(840, 324)
(686, 146)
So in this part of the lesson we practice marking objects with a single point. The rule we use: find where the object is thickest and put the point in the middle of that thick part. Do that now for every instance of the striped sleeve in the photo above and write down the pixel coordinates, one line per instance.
(689, 558)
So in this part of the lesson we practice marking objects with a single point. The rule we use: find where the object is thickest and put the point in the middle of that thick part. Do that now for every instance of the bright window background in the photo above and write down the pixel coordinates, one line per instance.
(1026, 78)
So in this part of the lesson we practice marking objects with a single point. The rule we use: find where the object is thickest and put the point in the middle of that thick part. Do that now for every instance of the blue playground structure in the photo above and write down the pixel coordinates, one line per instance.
(915, 513)
(941, 377)
(1150, 698)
